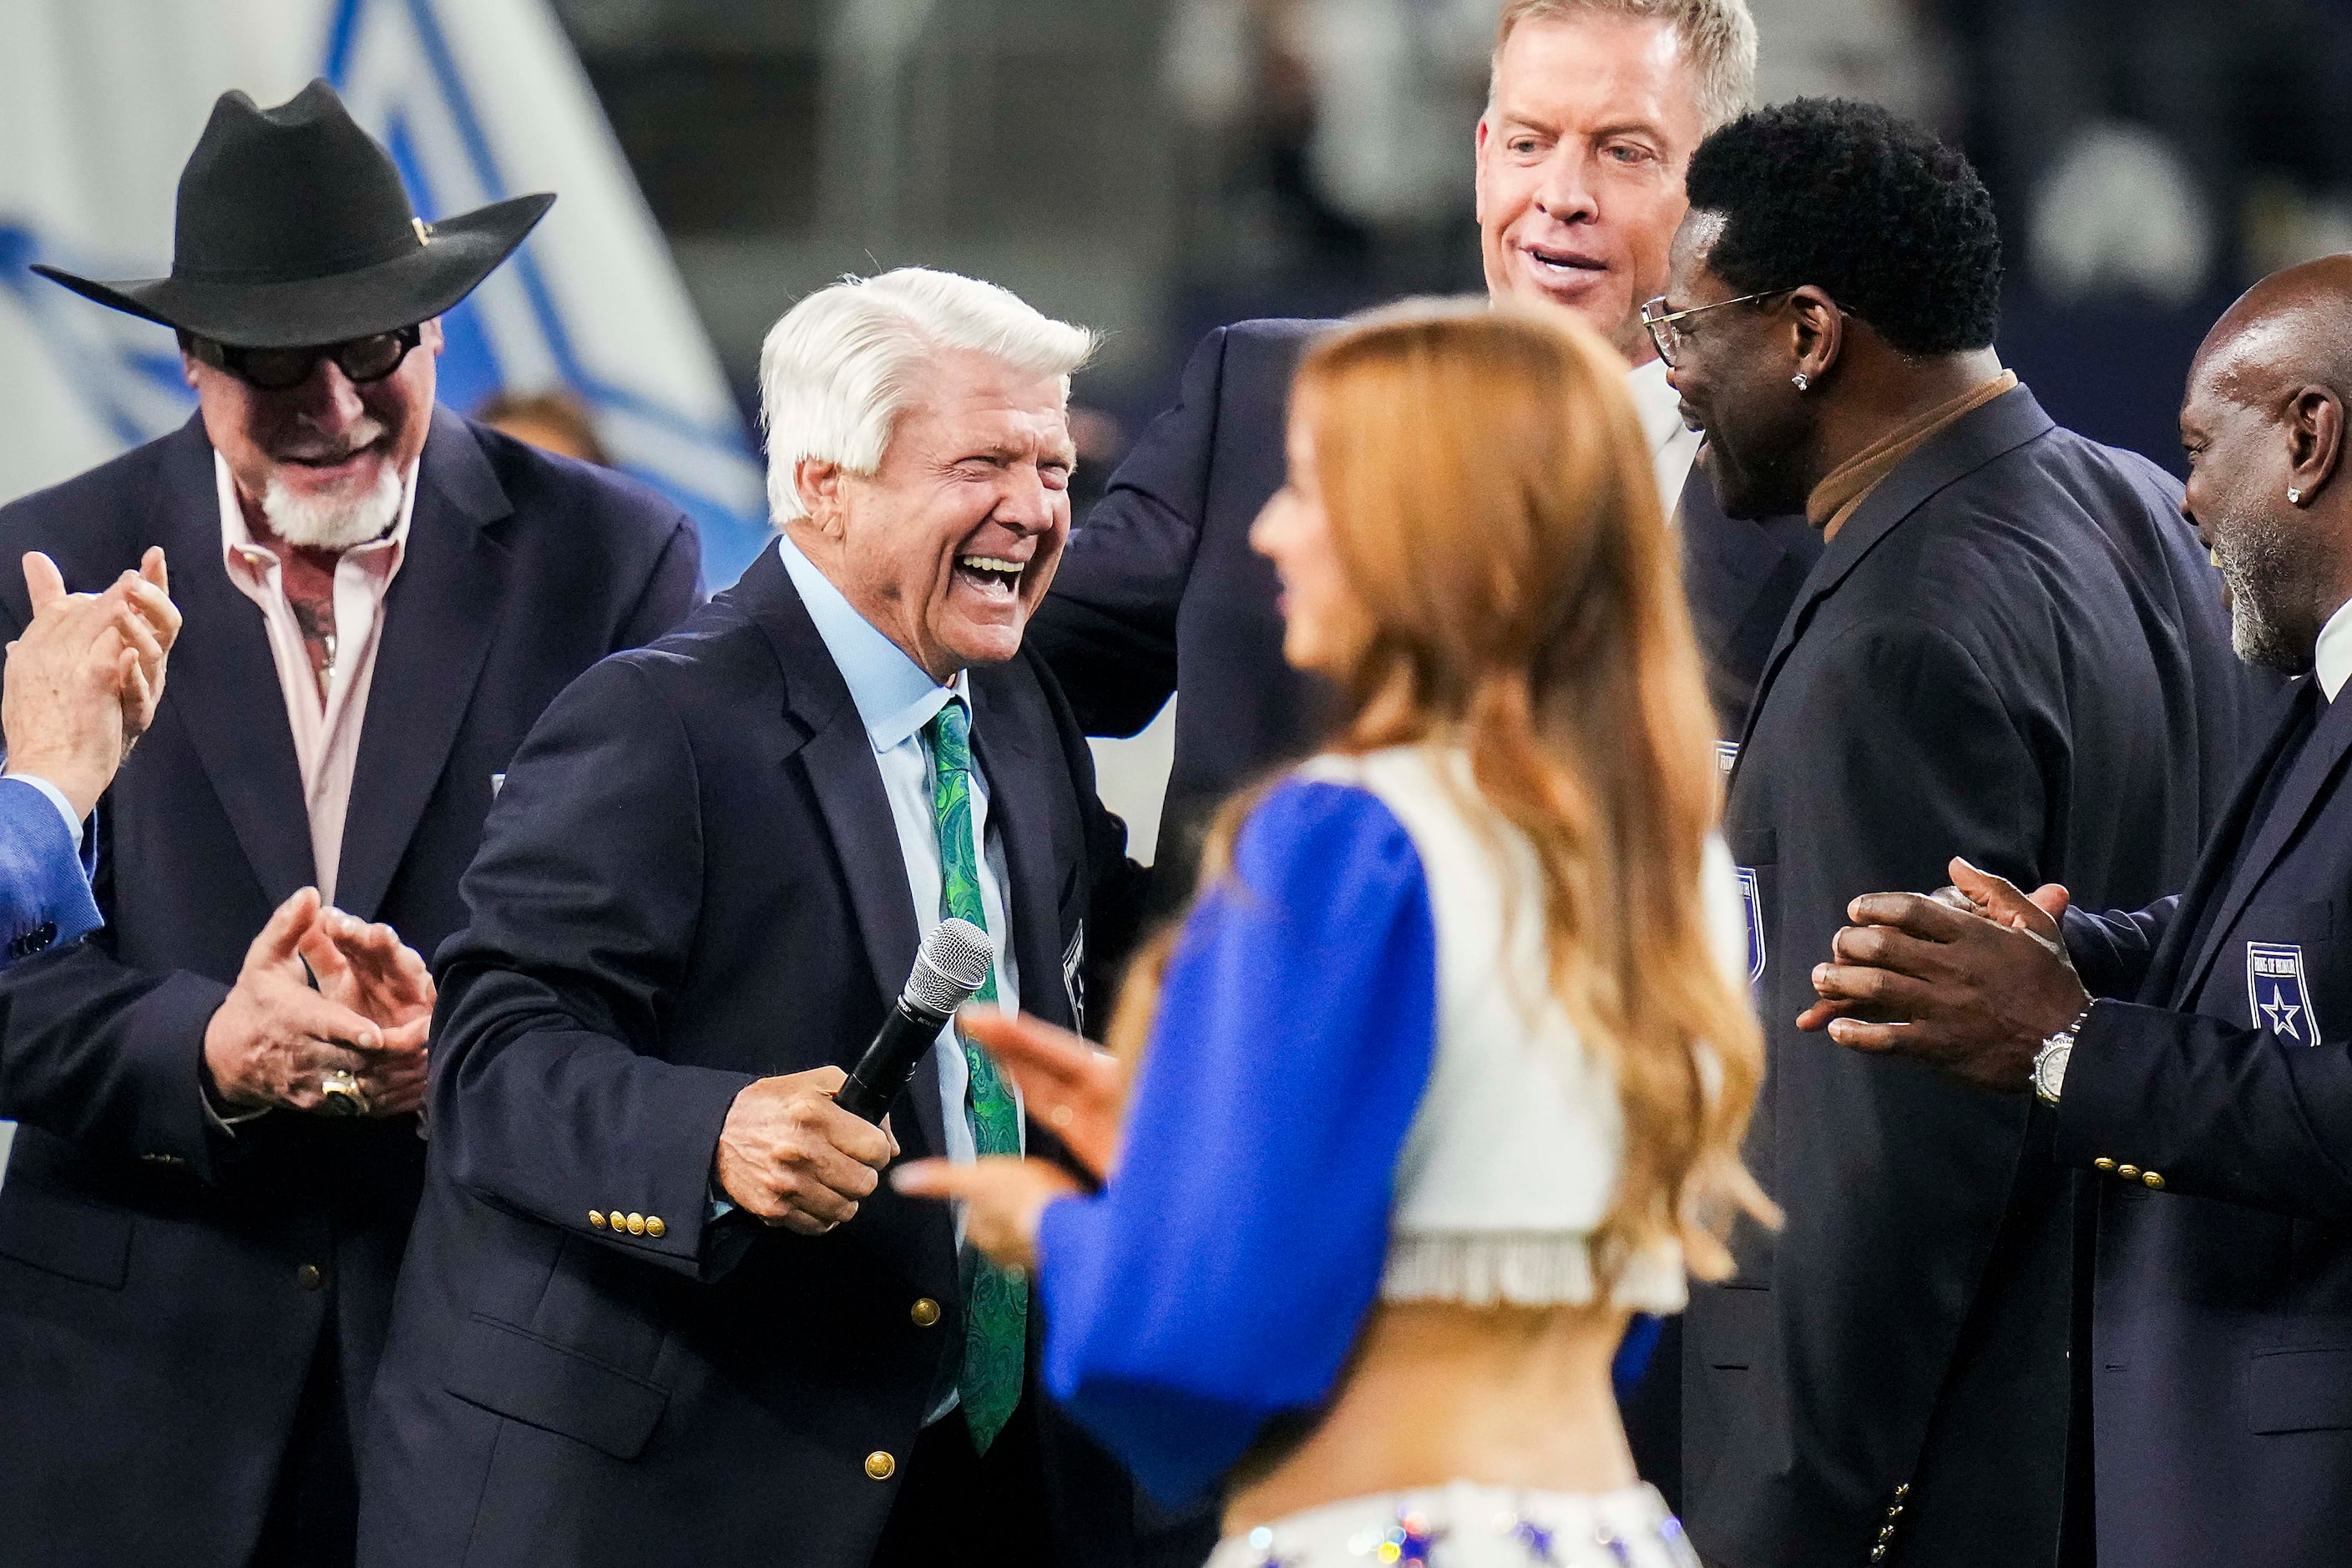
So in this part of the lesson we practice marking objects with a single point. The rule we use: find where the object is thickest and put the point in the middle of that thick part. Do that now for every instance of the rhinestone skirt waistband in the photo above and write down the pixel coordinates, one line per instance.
(1463, 1525)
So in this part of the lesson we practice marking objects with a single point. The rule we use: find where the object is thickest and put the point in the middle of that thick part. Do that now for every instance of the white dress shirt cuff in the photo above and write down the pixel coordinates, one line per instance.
(58, 798)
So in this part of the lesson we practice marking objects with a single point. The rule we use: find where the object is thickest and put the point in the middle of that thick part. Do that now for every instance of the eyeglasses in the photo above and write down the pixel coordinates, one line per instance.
(1666, 335)
(361, 360)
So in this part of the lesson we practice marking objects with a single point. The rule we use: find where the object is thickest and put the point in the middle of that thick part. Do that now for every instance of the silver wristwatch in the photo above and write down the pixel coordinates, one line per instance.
(2050, 1061)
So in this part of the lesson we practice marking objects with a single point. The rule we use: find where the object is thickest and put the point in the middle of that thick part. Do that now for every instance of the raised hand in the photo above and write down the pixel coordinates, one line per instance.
(149, 594)
(83, 678)
(1004, 1200)
(368, 969)
(1972, 995)
(274, 1041)
(1078, 1091)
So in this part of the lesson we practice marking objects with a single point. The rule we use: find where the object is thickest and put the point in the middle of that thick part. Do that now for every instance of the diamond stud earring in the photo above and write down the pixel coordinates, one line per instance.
(1802, 382)
(2293, 496)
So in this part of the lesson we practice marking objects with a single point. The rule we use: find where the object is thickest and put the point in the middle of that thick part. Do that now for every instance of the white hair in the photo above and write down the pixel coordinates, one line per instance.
(839, 366)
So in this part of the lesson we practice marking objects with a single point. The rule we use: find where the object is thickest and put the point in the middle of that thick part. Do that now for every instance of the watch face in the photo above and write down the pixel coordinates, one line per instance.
(2050, 1069)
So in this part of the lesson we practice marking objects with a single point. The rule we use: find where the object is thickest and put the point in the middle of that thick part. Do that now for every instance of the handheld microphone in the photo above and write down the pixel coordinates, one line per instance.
(951, 965)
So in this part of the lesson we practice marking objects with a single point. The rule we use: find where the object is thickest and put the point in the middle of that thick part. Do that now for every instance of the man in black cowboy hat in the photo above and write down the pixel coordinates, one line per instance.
(211, 1188)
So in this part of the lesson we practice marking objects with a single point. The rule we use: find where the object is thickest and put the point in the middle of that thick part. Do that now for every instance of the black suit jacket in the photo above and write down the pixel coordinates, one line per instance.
(692, 880)
(156, 1318)
(1161, 589)
(2012, 651)
(2216, 1119)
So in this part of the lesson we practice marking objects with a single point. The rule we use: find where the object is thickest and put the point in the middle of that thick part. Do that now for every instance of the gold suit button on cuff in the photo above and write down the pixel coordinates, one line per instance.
(2103, 1163)
(880, 1467)
(655, 1227)
(2151, 1179)
(2129, 1172)
(310, 1277)
(636, 1224)
(596, 1218)
(925, 1312)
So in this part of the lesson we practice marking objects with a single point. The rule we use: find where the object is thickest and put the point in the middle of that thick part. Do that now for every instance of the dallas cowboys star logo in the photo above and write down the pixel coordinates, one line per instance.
(2278, 992)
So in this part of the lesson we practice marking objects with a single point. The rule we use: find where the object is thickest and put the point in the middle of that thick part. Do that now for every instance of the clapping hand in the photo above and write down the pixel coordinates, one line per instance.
(1970, 986)
(368, 969)
(84, 678)
(277, 1040)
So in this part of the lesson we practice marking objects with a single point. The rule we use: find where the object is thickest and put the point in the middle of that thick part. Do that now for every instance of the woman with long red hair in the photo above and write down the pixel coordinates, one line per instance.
(1444, 1074)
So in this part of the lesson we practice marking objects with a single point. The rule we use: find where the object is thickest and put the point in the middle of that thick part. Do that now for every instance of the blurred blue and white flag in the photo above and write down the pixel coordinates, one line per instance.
(101, 100)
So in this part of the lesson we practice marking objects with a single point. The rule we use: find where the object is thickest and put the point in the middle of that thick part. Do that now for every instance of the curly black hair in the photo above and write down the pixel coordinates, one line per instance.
(1846, 196)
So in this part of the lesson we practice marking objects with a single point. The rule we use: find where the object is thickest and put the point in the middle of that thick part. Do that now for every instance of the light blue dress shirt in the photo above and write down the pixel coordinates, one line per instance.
(895, 699)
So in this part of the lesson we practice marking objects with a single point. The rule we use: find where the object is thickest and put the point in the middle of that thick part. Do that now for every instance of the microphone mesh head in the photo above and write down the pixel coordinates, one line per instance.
(952, 964)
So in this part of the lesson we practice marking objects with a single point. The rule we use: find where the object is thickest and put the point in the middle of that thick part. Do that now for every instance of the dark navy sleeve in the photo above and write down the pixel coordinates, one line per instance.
(1221, 1277)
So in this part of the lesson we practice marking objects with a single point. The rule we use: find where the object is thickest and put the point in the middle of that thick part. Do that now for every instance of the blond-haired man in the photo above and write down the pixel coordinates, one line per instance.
(1594, 109)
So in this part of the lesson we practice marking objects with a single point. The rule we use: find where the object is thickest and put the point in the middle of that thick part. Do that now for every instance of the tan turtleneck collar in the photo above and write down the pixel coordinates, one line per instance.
(1843, 490)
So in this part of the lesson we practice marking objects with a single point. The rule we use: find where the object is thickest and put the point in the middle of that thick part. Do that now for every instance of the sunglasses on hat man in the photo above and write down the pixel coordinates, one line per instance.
(361, 360)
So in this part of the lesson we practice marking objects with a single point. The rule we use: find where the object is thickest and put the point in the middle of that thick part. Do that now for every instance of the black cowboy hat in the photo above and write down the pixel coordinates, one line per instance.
(294, 229)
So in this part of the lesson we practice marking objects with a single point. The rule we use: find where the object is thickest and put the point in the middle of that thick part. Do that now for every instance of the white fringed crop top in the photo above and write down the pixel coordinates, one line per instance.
(1513, 1154)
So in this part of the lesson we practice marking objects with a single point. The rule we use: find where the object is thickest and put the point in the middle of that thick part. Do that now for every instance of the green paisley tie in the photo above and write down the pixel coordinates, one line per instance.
(996, 1304)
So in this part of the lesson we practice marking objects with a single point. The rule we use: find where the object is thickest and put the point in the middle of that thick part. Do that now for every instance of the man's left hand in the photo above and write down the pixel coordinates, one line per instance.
(367, 968)
(1971, 994)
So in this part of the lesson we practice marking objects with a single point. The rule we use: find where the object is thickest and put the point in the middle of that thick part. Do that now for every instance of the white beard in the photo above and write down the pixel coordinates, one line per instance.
(332, 522)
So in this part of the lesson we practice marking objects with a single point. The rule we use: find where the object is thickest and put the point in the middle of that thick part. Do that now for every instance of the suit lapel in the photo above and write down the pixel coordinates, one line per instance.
(1007, 742)
(837, 756)
(2305, 785)
(2216, 860)
(2000, 426)
(439, 618)
(224, 690)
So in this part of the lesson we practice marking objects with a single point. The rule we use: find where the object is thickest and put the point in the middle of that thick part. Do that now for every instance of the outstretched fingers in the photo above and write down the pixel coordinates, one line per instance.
(280, 938)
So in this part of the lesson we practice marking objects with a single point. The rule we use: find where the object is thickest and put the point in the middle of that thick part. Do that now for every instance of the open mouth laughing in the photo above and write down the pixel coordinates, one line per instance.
(991, 576)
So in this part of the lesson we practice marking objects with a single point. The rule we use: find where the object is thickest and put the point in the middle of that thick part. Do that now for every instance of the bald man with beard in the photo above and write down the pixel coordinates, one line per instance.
(2196, 1056)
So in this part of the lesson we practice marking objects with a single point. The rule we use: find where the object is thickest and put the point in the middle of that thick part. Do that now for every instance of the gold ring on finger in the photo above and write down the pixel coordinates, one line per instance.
(340, 1095)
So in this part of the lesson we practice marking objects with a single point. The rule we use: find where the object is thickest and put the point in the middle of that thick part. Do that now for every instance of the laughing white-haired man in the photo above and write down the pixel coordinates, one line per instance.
(659, 1307)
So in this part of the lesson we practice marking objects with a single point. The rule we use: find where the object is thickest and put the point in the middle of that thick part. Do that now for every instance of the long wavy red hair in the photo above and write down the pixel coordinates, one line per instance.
(1519, 595)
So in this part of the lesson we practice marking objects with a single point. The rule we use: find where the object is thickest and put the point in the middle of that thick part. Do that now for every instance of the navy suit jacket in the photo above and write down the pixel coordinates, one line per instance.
(45, 898)
(692, 880)
(2215, 1115)
(162, 1287)
(1161, 589)
(2012, 651)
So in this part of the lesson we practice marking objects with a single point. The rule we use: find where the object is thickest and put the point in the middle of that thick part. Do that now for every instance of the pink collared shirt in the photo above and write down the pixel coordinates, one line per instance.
(326, 733)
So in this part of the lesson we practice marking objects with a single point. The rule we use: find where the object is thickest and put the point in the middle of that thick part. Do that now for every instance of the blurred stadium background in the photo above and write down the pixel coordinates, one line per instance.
(1149, 167)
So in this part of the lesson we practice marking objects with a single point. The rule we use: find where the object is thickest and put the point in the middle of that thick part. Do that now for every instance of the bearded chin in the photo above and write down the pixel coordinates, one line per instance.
(2256, 640)
(332, 521)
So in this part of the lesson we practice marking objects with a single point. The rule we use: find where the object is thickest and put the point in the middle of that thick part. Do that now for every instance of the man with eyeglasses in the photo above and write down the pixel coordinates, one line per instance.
(212, 1184)
(1594, 109)
(2010, 649)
